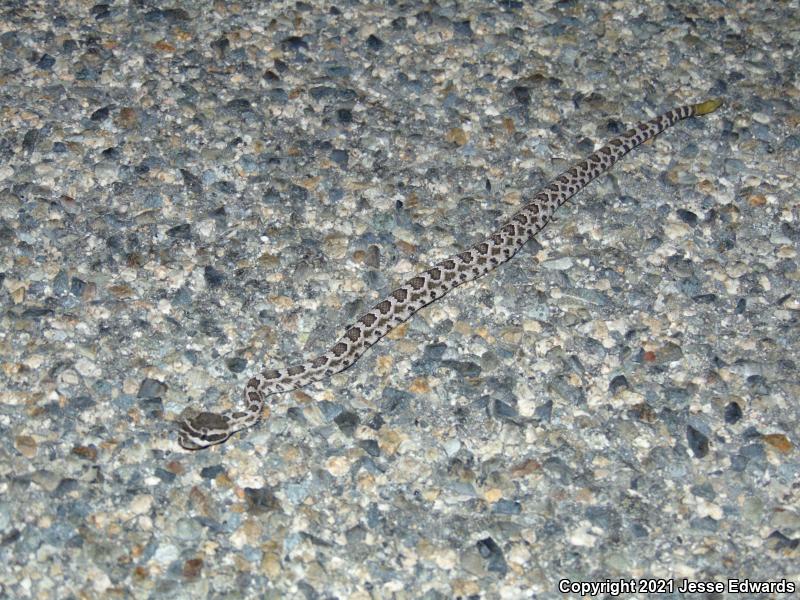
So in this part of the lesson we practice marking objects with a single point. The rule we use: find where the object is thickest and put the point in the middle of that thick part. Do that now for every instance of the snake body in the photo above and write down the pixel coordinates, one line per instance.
(207, 428)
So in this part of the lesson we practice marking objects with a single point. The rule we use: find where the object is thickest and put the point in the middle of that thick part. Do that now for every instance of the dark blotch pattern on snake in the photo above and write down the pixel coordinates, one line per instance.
(207, 428)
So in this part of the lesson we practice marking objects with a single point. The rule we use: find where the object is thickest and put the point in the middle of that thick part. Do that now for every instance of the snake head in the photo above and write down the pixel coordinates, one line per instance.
(203, 430)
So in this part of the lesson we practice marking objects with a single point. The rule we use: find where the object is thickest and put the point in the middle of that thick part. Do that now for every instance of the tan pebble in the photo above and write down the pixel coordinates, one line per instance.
(335, 246)
(126, 117)
(511, 335)
(310, 183)
(86, 452)
(175, 467)
(705, 186)
(252, 528)
(141, 504)
(584, 495)
(121, 291)
(462, 328)
(373, 256)
(11, 369)
(268, 260)
(778, 441)
(426, 549)
(300, 397)
(223, 480)
(456, 136)
(26, 445)
(405, 247)
(337, 465)
(192, 568)
(420, 386)
(431, 494)
(513, 197)
(68, 377)
(531, 326)
(282, 301)
(493, 495)
(291, 454)
(518, 554)
(366, 481)
(446, 559)
(164, 46)
(463, 588)
(389, 440)
(582, 536)
(13, 284)
(271, 565)
(398, 332)
(676, 230)
(87, 368)
(385, 364)
(525, 468)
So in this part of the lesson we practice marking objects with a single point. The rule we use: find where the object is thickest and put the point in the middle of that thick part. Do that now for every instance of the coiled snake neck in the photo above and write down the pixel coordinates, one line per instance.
(208, 428)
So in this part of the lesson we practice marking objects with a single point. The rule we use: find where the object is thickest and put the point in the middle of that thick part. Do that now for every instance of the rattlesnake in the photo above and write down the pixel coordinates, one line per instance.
(207, 428)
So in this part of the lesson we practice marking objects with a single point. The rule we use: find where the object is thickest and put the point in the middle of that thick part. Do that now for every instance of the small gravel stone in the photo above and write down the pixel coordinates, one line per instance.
(491, 552)
(733, 413)
(687, 217)
(212, 472)
(698, 442)
(374, 43)
(619, 382)
(151, 388)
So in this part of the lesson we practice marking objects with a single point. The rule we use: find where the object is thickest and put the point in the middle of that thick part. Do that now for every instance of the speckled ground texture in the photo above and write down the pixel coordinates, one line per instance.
(190, 192)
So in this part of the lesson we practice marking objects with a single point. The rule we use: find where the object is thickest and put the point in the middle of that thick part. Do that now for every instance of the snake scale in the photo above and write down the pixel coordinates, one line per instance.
(207, 428)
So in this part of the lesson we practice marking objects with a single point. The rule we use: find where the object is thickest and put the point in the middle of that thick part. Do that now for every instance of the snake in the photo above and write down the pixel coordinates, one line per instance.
(205, 429)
